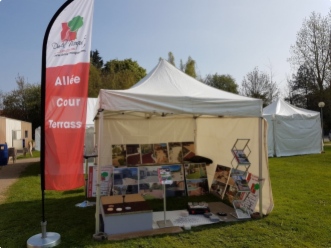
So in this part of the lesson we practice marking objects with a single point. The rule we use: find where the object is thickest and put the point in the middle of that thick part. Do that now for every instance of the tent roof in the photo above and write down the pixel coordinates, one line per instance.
(280, 107)
(170, 91)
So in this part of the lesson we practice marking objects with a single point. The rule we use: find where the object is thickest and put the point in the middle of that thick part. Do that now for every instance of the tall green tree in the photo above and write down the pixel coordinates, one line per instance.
(190, 67)
(257, 84)
(23, 103)
(303, 88)
(171, 59)
(94, 81)
(222, 82)
(1, 99)
(121, 74)
(181, 65)
(96, 60)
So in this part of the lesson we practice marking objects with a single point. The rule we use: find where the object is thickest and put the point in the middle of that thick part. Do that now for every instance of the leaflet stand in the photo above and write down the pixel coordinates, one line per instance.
(86, 203)
(241, 151)
(164, 178)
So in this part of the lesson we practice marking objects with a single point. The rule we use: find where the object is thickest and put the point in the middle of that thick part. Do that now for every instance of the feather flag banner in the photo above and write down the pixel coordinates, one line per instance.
(66, 52)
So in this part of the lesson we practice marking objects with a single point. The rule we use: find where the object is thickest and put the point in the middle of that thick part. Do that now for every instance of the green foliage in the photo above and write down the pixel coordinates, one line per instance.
(23, 103)
(181, 65)
(190, 68)
(121, 74)
(94, 82)
(114, 74)
(222, 82)
(96, 60)
(171, 59)
(36, 154)
(75, 23)
(303, 88)
(301, 216)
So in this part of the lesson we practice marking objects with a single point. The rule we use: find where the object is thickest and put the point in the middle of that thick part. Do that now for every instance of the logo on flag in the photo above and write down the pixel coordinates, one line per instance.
(69, 29)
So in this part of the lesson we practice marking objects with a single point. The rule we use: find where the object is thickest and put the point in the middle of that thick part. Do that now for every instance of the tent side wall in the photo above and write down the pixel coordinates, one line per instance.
(271, 141)
(213, 137)
(297, 135)
(292, 130)
(142, 131)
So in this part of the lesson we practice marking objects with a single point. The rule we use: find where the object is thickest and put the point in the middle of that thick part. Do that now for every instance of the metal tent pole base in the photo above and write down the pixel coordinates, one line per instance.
(44, 239)
(164, 223)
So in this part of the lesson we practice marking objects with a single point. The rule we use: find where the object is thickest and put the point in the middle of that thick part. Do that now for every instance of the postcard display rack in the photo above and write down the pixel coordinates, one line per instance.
(240, 164)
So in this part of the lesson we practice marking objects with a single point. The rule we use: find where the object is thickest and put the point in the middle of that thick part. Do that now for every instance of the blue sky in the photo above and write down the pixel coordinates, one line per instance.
(222, 36)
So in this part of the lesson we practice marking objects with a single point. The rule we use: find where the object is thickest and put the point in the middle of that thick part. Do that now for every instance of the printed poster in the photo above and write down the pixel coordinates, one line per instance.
(105, 183)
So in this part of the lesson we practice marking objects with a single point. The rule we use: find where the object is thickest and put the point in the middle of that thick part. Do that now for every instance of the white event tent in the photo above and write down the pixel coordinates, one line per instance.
(292, 130)
(169, 106)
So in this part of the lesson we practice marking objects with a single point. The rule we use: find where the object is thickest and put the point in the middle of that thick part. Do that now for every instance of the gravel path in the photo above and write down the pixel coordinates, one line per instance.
(10, 173)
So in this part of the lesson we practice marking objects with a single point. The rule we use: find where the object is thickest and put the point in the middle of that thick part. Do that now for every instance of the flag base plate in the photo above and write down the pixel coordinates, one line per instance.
(51, 239)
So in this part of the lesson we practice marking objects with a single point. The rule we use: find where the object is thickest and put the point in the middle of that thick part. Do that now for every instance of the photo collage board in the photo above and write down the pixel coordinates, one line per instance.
(136, 170)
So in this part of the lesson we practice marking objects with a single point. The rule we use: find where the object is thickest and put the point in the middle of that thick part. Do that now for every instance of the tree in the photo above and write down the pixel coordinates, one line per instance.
(171, 59)
(23, 103)
(257, 84)
(1, 99)
(96, 60)
(312, 48)
(222, 82)
(303, 88)
(190, 67)
(181, 65)
(121, 74)
(94, 81)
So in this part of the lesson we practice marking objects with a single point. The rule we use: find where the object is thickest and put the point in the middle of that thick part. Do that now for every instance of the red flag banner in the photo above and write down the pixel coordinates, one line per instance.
(66, 85)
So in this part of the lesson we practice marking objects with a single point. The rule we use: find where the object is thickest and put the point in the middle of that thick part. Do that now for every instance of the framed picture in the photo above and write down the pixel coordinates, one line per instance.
(119, 155)
(161, 153)
(220, 180)
(133, 155)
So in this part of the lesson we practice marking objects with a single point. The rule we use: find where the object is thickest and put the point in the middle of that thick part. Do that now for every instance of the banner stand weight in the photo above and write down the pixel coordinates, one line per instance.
(44, 239)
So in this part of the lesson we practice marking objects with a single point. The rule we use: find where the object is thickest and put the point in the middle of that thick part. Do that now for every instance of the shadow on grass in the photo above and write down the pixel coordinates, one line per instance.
(75, 191)
(11, 171)
(21, 220)
(75, 225)
(21, 214)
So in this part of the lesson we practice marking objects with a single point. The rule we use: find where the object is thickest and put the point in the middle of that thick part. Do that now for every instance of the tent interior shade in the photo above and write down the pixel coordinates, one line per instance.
(292, 130)
(170, 106)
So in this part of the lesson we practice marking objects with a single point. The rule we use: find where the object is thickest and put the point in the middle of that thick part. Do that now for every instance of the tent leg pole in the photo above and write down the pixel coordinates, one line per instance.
(97, 210)
(260, 166)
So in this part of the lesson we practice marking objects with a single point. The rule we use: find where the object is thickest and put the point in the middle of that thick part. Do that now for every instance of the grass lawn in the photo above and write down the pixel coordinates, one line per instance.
(35, 154)
(301, 216)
